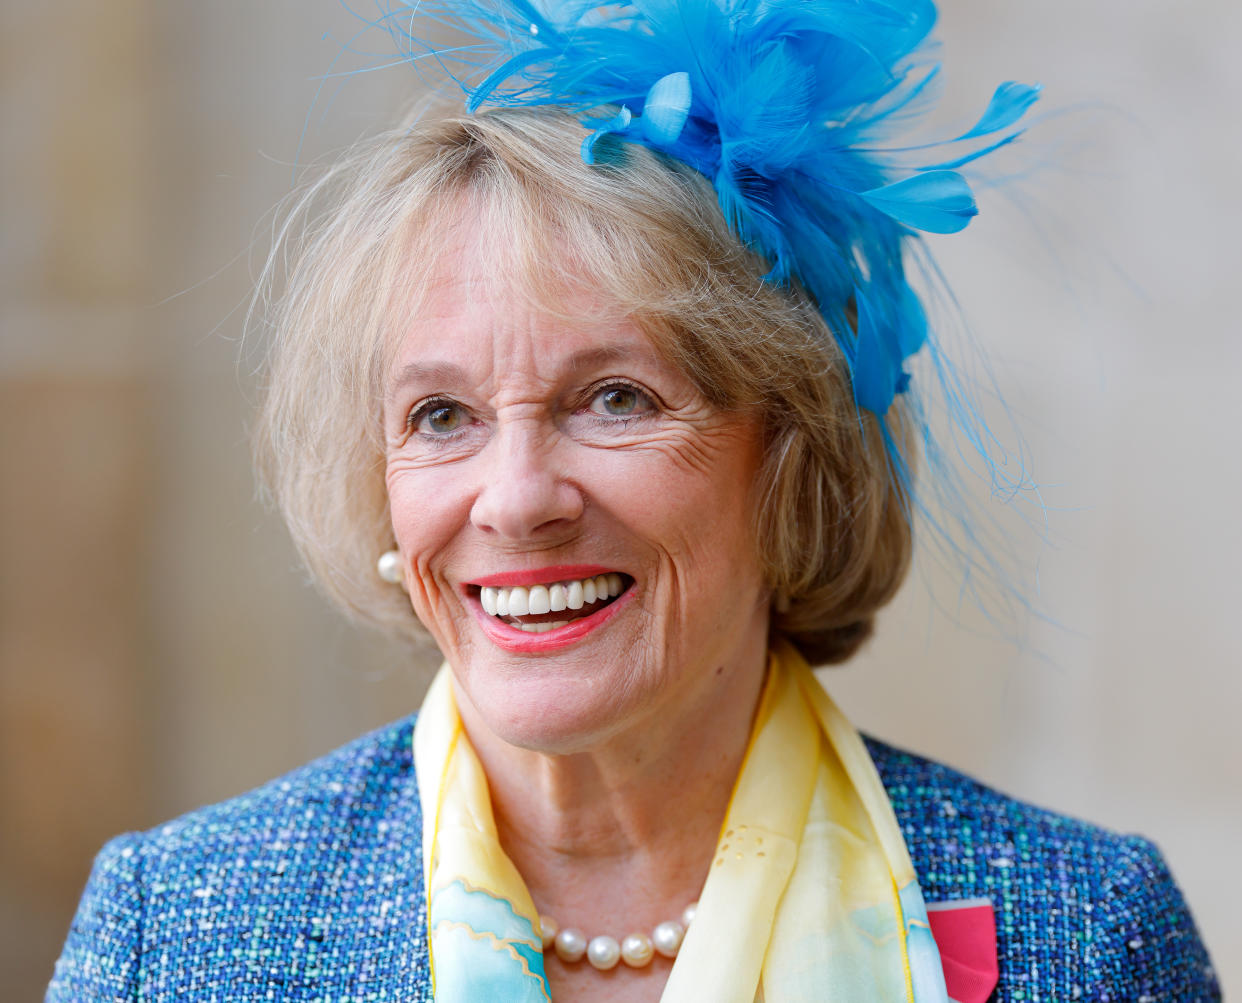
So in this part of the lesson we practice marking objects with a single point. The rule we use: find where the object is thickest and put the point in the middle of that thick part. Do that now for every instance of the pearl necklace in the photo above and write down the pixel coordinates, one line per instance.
(636, 950)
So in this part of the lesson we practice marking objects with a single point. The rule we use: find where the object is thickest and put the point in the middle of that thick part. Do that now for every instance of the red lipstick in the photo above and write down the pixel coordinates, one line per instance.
(542, 576)
(521, 642)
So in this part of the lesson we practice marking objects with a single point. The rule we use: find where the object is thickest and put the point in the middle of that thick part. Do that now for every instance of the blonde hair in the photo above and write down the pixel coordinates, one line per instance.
(645, 234)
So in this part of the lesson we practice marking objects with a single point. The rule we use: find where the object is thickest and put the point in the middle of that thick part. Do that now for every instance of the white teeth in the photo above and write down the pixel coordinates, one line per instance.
(541, 628)
(519, 601)
(537, 600)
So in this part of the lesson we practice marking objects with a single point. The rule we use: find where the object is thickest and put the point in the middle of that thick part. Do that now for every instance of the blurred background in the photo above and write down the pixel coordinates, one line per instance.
(159, 647)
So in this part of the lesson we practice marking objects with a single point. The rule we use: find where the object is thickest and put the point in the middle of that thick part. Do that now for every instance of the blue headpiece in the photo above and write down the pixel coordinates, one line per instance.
(787, 106)
(792, 109)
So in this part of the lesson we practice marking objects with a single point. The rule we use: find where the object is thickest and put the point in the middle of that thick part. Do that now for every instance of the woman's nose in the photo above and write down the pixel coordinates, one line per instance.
(524, 494)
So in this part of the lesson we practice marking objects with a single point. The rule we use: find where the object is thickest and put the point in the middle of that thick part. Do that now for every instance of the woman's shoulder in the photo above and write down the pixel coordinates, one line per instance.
(934, 801)
(354, 787)
(963, 831)
(353, 796)
(1079, 909)
(298, 882)
(350, 789)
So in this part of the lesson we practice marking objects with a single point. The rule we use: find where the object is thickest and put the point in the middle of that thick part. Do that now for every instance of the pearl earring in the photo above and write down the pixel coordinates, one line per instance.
(389, 567)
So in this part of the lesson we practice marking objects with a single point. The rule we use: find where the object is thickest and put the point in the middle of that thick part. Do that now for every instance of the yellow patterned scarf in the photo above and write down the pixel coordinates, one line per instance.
(811, 894)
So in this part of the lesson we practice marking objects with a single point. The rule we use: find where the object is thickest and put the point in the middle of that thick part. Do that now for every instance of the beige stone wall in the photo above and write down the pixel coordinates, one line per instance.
(159, 649)
(75, 459)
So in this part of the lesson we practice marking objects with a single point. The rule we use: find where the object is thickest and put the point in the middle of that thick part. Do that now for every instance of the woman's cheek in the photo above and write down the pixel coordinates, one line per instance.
(421, 508)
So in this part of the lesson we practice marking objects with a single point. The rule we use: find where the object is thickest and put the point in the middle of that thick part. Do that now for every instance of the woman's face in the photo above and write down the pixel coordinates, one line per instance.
(532, 461)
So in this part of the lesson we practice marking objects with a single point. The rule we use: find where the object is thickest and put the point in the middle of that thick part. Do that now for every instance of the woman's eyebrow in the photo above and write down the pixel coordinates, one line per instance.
(438, 373)
(448, 374)
(601, 355)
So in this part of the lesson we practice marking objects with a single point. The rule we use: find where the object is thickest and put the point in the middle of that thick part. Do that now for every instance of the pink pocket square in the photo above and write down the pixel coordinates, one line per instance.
(965, 932)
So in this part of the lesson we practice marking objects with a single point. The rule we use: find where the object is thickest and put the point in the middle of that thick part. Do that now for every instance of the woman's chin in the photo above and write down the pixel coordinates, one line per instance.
(545, 712)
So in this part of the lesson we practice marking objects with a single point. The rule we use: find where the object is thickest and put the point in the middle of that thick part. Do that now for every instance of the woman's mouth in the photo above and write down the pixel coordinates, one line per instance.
(537, 609)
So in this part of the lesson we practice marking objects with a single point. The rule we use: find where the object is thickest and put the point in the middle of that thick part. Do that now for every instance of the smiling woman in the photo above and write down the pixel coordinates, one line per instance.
(570, 465)
(630, 479)
(613, 265)
(636, 526)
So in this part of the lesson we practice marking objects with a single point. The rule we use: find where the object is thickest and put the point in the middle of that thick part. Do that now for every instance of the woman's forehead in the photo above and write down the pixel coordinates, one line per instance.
(470, 285)
(489, 287)
(558, 254)
(495, 325)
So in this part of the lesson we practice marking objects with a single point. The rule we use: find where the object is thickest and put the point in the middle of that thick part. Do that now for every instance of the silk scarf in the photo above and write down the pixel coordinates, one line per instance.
(811, 895)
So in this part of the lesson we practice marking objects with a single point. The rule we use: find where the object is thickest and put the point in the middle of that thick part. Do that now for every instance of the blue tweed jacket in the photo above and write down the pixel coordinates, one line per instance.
(310, 888)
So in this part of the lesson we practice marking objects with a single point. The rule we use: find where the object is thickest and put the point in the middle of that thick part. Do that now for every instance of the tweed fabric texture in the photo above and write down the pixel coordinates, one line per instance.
(1081, 913)
(310, 889)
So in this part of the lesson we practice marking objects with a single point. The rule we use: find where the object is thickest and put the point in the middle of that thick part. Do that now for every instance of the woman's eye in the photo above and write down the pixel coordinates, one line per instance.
(438, 418)
(621, 401)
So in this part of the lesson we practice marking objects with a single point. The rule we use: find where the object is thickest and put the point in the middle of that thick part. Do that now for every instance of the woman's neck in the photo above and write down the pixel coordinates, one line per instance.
(628, 826)
(618, 838)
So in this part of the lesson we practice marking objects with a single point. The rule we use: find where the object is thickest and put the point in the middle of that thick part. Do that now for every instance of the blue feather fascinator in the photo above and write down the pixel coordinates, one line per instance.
(798, 113)
(789, 107)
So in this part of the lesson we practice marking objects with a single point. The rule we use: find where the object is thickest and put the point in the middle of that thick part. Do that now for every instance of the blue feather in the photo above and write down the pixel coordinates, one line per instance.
(934, 201)
(617, 125)
(1008, 104)
(877, 368)
(962, 161)
(666, 108)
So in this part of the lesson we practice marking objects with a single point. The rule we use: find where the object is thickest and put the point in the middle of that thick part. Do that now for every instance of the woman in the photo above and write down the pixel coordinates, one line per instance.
(629, 488)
